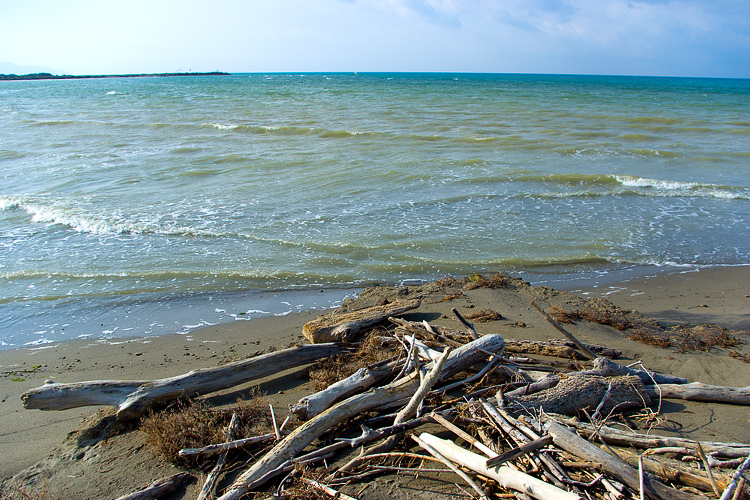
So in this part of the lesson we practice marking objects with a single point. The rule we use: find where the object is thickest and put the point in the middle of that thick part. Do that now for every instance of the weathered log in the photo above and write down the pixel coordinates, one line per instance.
(507, 477)
(607, 368)
(403, 388)
(540, 348)
(575, 394)
(579, 447)
(620, 438)
(160, 488)
(597, 349)
(342, 327)
(673, 472)
(133, 398)
(361, 380)
(697, 391)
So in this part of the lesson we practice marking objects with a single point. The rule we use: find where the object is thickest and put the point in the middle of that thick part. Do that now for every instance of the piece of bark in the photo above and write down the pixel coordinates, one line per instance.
(579, 447)
(697, 391)
(607, 368)
(132, 399)
(361, 380)
(572, 395)
(507, 477)
(673, 472)
(160, 488)
(404, 388)
(620, 438)
(343, 327)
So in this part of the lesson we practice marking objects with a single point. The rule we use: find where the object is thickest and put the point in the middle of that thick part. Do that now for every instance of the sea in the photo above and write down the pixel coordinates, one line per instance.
(155, 205)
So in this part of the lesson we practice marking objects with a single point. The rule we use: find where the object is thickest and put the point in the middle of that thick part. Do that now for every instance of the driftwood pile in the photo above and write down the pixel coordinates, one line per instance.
(507, 425)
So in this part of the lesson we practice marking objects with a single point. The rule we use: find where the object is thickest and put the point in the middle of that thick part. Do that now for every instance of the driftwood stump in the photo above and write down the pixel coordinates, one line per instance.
(584, 392)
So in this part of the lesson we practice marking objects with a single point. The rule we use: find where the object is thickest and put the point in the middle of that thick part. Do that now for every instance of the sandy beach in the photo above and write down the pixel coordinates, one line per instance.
(119, 465)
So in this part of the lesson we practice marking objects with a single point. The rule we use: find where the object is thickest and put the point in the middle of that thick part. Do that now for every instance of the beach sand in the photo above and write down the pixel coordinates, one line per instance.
(44, 451)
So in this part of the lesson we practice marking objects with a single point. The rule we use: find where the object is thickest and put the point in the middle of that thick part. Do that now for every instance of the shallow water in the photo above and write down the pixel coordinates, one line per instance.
(121, 195)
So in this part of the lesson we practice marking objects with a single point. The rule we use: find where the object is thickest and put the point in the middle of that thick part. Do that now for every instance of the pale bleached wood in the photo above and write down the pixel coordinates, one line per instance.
(342, 327)
(579, 447)
(160, 487)
(361, 380)
(212, 449)
(549, 381)
(507, 477)
(403, 388)
(736, 476)
(132, 399)
(697, 391)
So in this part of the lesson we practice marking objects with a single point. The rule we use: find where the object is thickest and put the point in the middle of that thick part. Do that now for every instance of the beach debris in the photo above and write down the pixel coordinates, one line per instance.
(527, 426)
(133, 398)
(342, 327)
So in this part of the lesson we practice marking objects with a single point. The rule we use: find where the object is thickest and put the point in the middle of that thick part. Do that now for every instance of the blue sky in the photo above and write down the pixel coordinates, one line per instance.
(625, 37)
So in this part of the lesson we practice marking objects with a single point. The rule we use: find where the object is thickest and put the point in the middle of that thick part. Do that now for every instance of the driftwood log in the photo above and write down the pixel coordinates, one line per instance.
(342, 327)
(133, 398)
(361, 380)
(696, 391)
(573, 395)
(403, 388)
(579, 447)
(506, 476)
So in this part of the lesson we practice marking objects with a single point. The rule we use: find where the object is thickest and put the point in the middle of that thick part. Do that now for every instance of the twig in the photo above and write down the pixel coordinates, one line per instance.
(565, 332)
(468, 325)
(735, 478)
(708, 469)
(230, 445)
(432, 451)
(519, 451)
(275, 425)
(463, 435)
(641, 481)
(327, 490)
(208, 486)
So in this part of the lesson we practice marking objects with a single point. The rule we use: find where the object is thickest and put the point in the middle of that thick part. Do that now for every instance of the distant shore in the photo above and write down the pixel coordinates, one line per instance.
(49, 76)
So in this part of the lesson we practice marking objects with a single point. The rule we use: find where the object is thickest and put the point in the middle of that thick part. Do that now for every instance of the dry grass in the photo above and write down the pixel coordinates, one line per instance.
(561, 316)
(685, 338)
(330, 370)
(484, 315)
(742, 356)
(193, 424)
(487, 281)
(606, 317)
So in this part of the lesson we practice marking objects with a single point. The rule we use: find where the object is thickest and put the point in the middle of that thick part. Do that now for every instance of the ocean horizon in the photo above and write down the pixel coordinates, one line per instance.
(154, 205)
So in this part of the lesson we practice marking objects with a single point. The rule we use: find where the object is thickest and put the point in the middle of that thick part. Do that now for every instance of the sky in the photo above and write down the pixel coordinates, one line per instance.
(695, 38)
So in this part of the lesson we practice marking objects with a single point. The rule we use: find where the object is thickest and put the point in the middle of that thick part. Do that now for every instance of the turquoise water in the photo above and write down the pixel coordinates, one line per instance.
(123, 199)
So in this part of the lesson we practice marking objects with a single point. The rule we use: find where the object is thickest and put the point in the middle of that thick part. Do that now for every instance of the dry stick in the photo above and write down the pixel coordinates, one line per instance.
(738, 492)
(208, 486)
(506, 476)
(708, 469)
(275, 425)
(327, 490)
(735, 478)
(432, 451)
(469, 380)
(465, 323)
(520, 450)
(463, 435)
(409, 410)
(641, 481)
(562, 330)
(230, 445)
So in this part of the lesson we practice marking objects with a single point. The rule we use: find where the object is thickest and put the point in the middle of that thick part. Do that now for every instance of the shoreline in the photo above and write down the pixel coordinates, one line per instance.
(49, 76)
(155, 315)
(29, 436)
